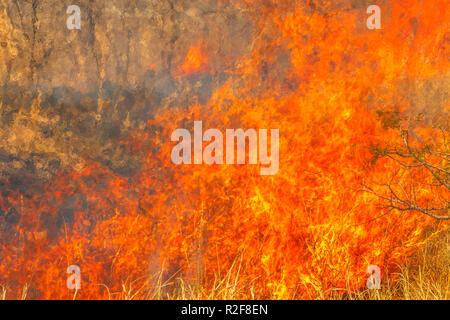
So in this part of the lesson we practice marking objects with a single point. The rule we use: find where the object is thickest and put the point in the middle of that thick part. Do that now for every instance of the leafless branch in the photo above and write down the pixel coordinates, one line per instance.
(425, 168)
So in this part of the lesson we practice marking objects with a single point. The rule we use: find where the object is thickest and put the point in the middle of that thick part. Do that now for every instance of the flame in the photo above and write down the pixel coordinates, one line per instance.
(299, 233)
(195, 61)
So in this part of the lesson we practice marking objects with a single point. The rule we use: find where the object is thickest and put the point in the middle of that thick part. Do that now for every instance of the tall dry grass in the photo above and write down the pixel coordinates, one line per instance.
(425, 277)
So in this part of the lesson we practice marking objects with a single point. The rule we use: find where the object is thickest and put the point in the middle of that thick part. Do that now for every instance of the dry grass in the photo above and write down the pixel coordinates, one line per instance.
(426, 277)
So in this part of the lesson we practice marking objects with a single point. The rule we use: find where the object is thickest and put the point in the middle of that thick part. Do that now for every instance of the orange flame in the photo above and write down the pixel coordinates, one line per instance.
(292, 235)
(195, 62)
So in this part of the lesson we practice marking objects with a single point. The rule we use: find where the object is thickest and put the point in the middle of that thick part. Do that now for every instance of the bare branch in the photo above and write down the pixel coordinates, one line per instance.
(402, 191)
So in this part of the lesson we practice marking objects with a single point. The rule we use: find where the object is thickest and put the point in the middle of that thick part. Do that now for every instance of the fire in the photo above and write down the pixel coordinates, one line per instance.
(302, 233)
(195, 62)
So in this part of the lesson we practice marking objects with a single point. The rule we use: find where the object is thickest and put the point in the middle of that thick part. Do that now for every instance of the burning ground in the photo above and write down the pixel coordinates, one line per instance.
(86, 117)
